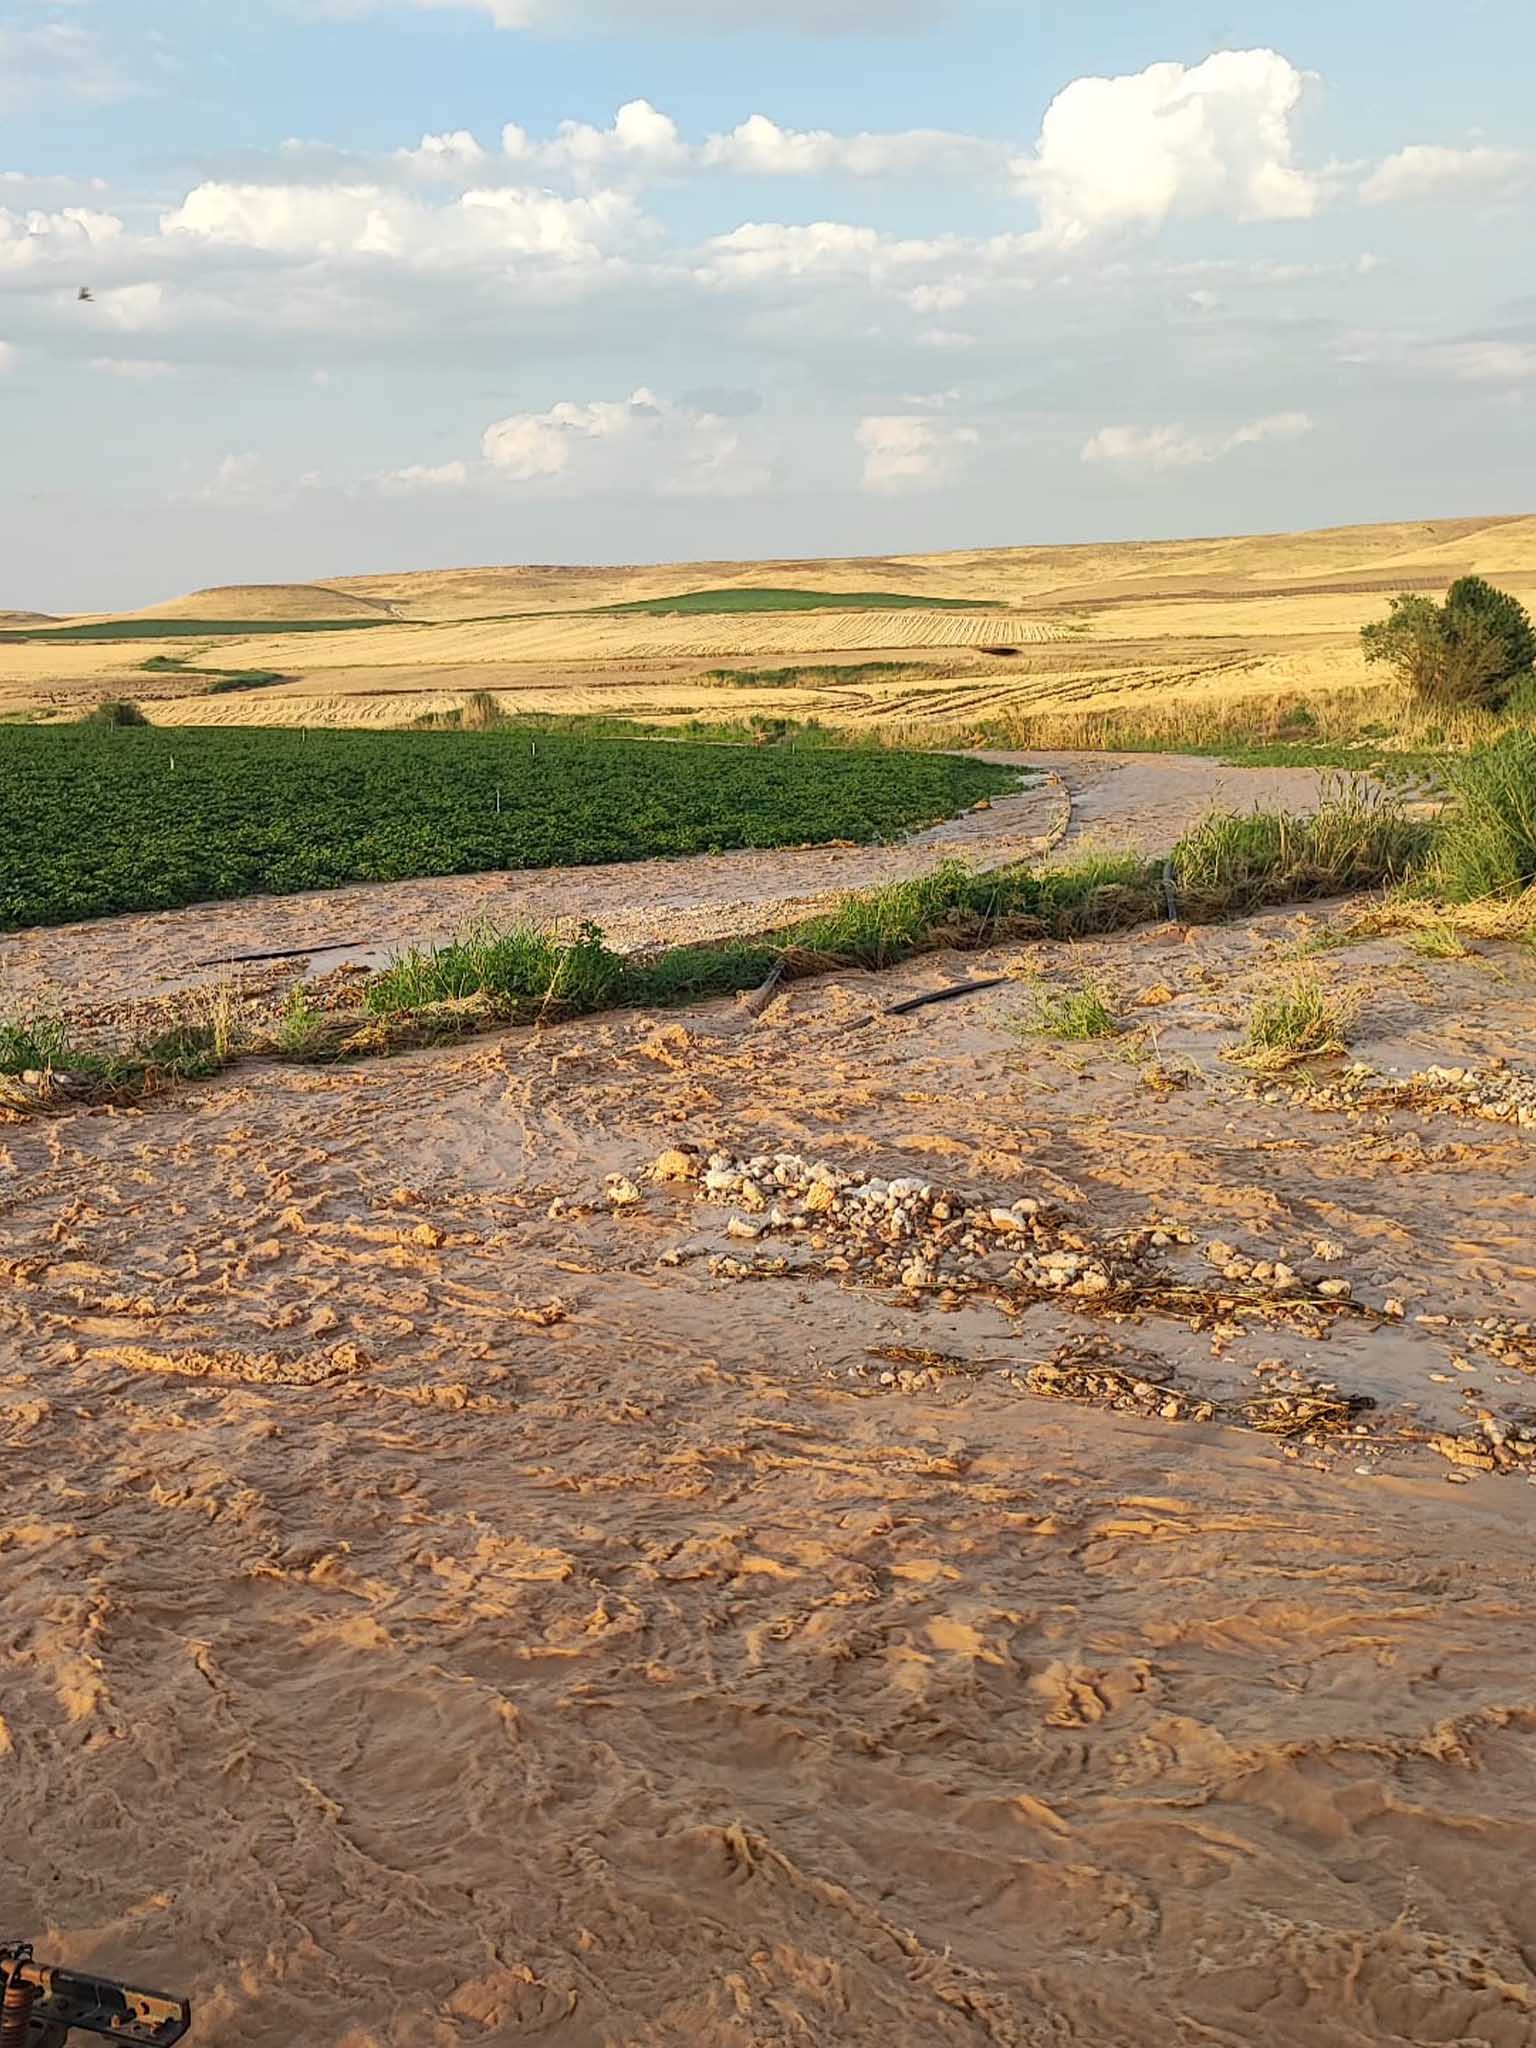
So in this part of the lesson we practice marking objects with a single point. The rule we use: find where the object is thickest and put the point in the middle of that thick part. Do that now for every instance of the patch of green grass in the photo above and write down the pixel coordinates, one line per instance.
(36, 1045)
(301, 1027)
(726, 601)
(114, 630)
(514, 969)
(1301, 1019)
(224, 680)
(813, 676)
(1438, 941)
(1082, 1012)
(1486, 844)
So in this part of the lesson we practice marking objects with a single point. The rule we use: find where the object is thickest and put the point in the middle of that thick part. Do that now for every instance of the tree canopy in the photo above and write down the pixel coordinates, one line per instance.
(1473, 650)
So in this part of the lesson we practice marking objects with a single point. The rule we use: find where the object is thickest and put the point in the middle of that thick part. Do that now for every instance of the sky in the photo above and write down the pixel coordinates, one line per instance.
(391, 284)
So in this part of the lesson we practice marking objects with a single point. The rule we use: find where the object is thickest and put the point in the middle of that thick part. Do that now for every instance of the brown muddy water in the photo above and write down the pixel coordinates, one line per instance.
(440, 1608)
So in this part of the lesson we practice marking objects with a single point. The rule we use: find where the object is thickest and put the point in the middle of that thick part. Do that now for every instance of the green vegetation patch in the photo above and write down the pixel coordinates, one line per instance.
(798, 601)
(182, 629)
(94, 821)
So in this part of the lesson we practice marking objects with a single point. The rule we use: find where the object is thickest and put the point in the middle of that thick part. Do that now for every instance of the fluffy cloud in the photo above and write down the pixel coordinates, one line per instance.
(641, 140)
(1171, 141)
(369, 220)
(639, 443)
(1428, 171)
(761, 148)
(237, 477)
(1173, 447)
(72, 235)
(445, 156)
(903, 452)
(644, 142)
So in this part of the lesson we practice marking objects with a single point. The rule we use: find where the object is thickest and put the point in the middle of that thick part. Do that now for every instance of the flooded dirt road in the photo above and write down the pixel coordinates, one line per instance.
(443, 1607)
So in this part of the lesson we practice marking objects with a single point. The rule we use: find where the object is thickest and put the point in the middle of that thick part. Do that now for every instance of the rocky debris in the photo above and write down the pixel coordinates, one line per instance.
(1509, 1343)
(677, 1163)
(621, 1192)
(1500, 1094)
(928, 1240)
(1091, 1372)
(1494, 1446)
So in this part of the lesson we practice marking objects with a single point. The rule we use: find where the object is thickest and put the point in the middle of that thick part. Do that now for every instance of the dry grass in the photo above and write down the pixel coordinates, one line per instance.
(1139, 644)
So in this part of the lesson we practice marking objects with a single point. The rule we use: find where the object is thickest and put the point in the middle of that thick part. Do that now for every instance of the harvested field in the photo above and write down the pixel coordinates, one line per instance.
(1177, 629)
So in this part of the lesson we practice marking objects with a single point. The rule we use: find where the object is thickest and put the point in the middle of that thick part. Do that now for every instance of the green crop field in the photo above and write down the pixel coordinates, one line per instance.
(797, 601)
(182, 629)
(95, 820)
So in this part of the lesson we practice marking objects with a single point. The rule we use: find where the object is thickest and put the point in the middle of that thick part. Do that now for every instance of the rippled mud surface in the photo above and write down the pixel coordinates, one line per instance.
(442, 1606)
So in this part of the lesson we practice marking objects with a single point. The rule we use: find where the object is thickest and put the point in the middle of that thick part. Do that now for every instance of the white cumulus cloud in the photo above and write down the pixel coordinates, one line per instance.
(1429, 171)
(1175, 447)
(372, 221)
(71, 235)
(641, 443)
(905, 452)
(1172, 141)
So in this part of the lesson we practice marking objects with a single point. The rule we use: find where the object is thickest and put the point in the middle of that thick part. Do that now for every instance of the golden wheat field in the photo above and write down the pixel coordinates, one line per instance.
(1059, 642)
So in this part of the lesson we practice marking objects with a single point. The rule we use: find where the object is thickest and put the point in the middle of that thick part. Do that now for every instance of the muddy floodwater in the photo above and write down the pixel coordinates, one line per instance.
(461, 1588)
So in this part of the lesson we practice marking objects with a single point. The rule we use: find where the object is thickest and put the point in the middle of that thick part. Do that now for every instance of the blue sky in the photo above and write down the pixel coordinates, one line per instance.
(970, 274)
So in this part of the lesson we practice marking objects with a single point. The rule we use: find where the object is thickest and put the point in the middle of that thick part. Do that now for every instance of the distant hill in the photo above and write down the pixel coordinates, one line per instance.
(266, 604)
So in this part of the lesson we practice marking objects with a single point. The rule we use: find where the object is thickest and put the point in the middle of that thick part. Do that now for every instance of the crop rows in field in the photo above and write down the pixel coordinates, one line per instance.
(768, 600)
(95, 821)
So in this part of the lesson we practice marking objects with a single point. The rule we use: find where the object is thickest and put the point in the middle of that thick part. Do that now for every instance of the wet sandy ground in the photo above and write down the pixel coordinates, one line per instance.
(432, 1620)
(1117, 800)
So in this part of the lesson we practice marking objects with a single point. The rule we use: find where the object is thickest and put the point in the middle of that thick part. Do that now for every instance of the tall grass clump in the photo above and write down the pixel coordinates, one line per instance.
(1359, 838)
(513, 970)
(34, 1045)
(1080, 1013)
(1300, 1019)
(1486, 843)
(115, 711)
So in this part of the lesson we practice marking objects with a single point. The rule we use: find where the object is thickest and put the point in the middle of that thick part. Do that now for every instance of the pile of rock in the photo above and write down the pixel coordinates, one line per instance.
(1499, 1095)
(929, 1239)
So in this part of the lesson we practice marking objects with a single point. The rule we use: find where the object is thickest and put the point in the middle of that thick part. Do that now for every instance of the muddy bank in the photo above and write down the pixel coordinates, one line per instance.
(443, 1606)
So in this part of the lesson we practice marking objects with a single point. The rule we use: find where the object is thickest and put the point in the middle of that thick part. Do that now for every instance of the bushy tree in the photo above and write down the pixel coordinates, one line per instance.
(1473, 650)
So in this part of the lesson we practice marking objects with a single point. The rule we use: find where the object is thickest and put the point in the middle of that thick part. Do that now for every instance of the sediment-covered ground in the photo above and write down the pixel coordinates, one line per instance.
(462, 1587)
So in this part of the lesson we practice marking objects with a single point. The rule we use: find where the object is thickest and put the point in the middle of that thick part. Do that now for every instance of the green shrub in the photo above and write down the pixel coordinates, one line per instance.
(1473, 650)
(115, 711)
